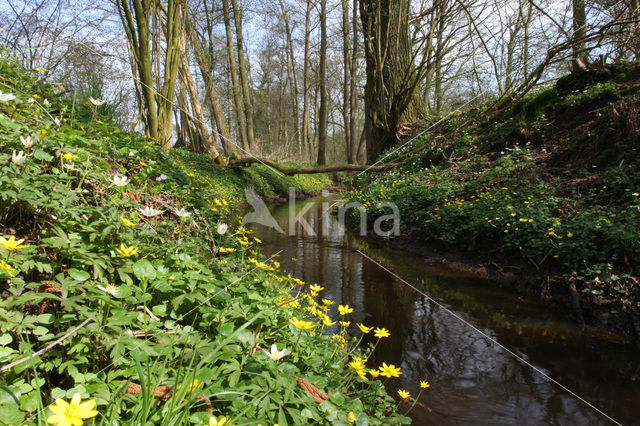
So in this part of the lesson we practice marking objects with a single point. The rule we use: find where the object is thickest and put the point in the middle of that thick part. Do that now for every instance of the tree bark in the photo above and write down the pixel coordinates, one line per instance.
(322, 123)
(390, 96)
(579, 57)
(346, 86)
(233, 71)
(353, 90)
(244, 81)
(294, 79)
(306, 107)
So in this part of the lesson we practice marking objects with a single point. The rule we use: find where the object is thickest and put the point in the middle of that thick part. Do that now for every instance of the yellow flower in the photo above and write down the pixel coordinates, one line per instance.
(374, 373)
(226, 250)
(351, 417)
(7, 268)
(193, 386)
(357, 364)
(315, 288)
(68, 156)
(404, 394)
(327, 321)
(127, 251)
(127, 222)
(424, 384)
(570, 235)
(389, 370)
(381, 332)
(344, 309)
(302, 325)
(220, 422)
(258, 240)
(364, 328)
(345, 323)
(73, 413)
(328, 302)
(11, 244)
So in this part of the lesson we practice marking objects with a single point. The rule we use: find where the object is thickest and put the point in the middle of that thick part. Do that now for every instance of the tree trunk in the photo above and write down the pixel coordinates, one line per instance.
(213, 97)
(244, 81)
(579, 57)
(233, 71)
(171, 62)
(346, 86)
(306, 107)
(322, 123)
(353, 90)
(390, 96)
(294, 80)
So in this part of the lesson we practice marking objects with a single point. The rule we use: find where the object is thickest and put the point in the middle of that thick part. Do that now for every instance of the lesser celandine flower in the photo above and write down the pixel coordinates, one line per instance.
(127, 222)
(127, 251)
(72, 413)
(4, 266)
(374, 373)
(344, 309)
(119, 180)
(302, 325)
(328, 302)
(219, 422)
(389, 370)
(275, 354)
(68, 156)
(381, 332)
(345, 323)
(351, 417)
(12, 244)
(424, 384)
(404, 394)
(327, 321)
(364, 328)
(315, 288)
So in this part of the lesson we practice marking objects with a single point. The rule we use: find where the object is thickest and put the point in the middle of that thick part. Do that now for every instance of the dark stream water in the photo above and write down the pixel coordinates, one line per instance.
(473, 380)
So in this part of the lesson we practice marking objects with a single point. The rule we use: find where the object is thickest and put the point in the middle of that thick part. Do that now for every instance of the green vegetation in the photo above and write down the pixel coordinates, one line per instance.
(552, 184)
(130, 257)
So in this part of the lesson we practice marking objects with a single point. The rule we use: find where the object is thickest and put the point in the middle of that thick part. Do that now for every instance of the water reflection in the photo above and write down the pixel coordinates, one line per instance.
(473, 381)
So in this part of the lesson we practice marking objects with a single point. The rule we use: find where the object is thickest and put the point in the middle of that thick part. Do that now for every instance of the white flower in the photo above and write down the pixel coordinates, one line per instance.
(110, 288)
(635, 194)
(162, 177)
(150, 212)
(57, 121)
(96, 102)
(6, 97)
(18, 158)
(31, 100)
(27, 142)
(222, 228)
(119, 180)
(46, 102)
(274, 353)
(182, 212)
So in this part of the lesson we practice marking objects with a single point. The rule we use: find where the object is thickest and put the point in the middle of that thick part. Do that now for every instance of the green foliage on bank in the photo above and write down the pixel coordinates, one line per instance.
(133, 258)
(552, 183)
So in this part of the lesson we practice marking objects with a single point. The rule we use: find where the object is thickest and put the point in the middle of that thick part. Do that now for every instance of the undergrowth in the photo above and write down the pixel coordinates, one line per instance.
(128, 283)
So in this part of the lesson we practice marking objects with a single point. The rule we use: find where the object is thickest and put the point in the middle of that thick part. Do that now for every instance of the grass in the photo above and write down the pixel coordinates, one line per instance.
(182, 307)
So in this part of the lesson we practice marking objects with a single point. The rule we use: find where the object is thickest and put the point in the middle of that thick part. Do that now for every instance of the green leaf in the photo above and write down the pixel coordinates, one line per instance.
(144, 270)
(78, 275)
(5, 339)
(39, 154)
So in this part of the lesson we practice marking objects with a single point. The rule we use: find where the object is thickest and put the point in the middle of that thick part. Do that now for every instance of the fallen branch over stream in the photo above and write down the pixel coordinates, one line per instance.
(244, 162)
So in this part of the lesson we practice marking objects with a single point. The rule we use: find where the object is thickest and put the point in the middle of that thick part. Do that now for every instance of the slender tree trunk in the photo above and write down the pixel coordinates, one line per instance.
(207, 142)
(353, 90)
(306, 114)
(242, 68)
(294, 79)
(579, 58)
(213, 97)
(635, 14)
(171, 63)
(322, 123)
(346, 86)
(233, 71)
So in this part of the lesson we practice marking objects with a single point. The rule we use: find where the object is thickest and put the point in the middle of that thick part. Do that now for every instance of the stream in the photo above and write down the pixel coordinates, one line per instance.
(473, 380)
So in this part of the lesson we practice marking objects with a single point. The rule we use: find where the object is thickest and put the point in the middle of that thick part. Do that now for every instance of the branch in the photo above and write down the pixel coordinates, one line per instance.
(244, 162)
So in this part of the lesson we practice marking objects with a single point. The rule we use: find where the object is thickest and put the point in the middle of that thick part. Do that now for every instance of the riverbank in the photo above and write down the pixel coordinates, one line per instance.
(549, 190)
(128, 283)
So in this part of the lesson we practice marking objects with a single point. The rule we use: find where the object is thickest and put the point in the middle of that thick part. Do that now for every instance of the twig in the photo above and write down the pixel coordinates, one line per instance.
(49, 347)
